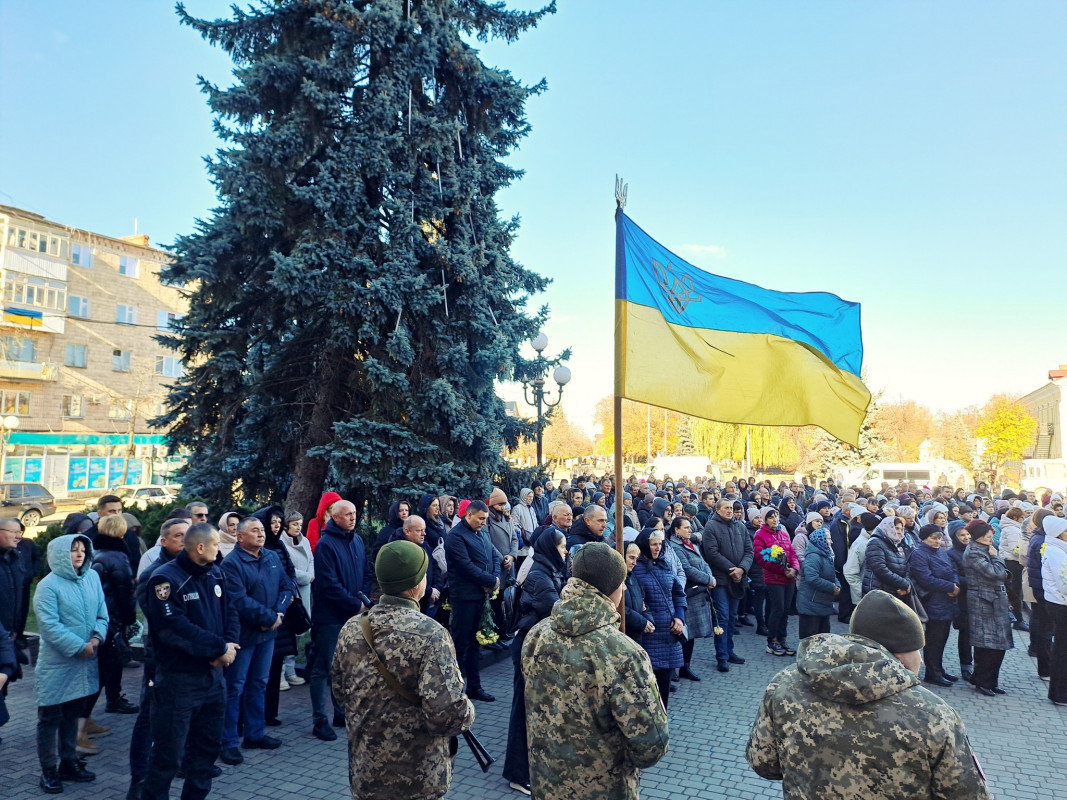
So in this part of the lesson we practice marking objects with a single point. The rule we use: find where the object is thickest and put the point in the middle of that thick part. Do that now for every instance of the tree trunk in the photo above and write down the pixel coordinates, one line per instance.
(310, 473)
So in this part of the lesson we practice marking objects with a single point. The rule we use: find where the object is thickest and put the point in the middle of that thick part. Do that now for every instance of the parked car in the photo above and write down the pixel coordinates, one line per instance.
(140, 495)
(29, 502)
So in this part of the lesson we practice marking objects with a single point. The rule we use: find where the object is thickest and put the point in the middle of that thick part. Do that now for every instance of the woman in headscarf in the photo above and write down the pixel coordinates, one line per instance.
(988, 611)
(665, 600)
(629, 512)
(885, 564)
(789, 515)
(936, 583)
(398, 512)
(523, 516)
(299, 549)
(228, 532)
(540, 591)
(937, 514)
(698, 585)
(820, 587)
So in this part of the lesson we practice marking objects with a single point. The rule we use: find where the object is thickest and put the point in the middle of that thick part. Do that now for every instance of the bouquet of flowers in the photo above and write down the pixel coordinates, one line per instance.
(487, 632)
(775, 554)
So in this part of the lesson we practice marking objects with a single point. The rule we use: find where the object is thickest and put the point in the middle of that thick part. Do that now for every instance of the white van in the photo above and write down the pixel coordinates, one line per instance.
(1044, 473)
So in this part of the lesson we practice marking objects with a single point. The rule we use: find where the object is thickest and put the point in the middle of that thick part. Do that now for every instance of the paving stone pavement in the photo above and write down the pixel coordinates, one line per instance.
(1021, 739)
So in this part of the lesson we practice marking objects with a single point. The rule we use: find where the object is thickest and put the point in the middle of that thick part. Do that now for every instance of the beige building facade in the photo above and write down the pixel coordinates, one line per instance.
(80, 370)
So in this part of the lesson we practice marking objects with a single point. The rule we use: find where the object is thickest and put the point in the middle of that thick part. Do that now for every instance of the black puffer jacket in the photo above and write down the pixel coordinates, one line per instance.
(542, 586)
(886, 565)
(112, 563)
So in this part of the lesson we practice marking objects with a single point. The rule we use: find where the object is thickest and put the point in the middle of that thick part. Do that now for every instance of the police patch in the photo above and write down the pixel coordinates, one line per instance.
(218, 590)
(163, 590)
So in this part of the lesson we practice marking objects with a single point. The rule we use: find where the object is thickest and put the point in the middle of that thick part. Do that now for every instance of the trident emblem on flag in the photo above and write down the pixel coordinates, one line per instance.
(679, 290)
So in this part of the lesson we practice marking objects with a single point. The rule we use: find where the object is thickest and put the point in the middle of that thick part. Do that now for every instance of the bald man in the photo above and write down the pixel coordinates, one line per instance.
(343, 576)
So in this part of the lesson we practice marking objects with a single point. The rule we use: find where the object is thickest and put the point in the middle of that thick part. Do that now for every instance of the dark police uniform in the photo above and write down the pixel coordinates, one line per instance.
(190, 621)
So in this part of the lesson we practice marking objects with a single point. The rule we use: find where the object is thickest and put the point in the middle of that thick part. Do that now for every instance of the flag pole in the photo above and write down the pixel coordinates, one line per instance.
(620, 517)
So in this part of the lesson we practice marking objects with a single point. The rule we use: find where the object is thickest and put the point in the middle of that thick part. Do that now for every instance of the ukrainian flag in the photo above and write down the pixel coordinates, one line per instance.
(23, 316)
(726, 350)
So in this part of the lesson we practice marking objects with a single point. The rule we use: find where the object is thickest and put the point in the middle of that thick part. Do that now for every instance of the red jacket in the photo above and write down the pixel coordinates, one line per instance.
(319, 522)
(773, 571)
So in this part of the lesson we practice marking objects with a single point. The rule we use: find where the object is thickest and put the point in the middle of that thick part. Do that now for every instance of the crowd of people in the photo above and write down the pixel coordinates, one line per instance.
(226, 605)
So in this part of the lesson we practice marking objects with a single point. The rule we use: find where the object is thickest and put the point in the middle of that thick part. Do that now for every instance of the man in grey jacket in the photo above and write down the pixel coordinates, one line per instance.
(502, 535)
(727, 547)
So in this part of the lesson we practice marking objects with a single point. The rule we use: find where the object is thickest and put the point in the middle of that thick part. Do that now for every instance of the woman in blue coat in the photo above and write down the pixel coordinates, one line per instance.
(819, 586)
(665, 601)
(938, 586)
(72, 621)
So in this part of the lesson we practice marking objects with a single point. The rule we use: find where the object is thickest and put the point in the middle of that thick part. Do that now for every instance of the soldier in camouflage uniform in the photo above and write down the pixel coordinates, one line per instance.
(401, 729)
(594, 714)
(849, 720)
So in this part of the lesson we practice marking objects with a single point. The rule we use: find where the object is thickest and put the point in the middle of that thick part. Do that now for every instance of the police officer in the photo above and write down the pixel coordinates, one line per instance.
(194, 631)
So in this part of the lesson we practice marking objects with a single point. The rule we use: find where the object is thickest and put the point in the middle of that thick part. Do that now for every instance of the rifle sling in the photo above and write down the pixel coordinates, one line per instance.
(394, 684)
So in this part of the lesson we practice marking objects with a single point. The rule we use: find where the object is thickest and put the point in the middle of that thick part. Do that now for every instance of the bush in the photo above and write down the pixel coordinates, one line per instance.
(53, 531)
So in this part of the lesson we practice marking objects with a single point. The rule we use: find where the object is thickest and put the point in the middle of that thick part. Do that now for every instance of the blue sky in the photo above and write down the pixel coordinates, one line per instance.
(910, 156)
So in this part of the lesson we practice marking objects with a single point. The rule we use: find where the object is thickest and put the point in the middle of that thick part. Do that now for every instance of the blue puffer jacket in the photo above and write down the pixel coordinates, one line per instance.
(259, 590)
(70, 610)
(664, 600)
(816, 593)
(934, 576)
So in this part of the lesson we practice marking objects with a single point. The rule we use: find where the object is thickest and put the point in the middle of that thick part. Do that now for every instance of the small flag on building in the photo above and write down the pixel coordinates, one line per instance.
(23, 316)
(726, 350)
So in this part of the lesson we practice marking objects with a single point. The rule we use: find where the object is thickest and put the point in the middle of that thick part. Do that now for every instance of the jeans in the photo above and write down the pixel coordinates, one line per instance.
(188, 710)
(934, 651)
(726, 615)
(778, 599)
(811, 625)
(517, 756)
(246, 683)
(466, 615)
(324, 641)
(57, 732)
(1041, 632)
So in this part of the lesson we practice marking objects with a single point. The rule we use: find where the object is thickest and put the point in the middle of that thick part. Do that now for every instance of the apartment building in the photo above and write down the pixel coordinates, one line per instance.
(80, 370)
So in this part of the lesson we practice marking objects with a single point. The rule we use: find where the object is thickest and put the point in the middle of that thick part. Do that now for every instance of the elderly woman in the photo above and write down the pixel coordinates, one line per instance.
(937, 586)
(299, 549)
(820, 586)
(698, 585)
(73, 622)
(665, 600)
(988, 611)
(961, 537)
(1013, 552)
(885, 563)
(523, 516)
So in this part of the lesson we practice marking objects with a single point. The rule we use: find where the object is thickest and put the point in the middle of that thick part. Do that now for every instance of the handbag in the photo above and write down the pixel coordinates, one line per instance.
(297, 621)
(917, 606)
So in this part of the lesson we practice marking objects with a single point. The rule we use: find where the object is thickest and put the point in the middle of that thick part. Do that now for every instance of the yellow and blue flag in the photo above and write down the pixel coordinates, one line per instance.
(729, 351)
(23, 316)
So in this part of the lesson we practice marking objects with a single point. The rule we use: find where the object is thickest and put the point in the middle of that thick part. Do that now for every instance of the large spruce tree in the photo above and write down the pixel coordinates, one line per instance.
(352, 299)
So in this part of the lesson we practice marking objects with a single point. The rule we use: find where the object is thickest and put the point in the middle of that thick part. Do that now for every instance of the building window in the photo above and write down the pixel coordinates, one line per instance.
(16, 349)
(165, 320)
(127, 315)
(169, 367)
(77, 355)
(17, 403)
(30, 290)
(120, 360)
(81, 255)
(119, 409)
(71, 406)
(129, 266)
(78, 306)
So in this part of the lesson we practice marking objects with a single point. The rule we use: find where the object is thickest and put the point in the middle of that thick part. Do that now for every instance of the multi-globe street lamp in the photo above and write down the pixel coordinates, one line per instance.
(534, 393)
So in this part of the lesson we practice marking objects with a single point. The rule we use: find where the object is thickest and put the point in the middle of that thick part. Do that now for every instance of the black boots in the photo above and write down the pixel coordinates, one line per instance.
(50, 783)
(75, 771)
(688, 674)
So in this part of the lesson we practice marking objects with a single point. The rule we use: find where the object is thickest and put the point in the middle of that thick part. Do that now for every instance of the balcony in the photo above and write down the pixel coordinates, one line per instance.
(28, 371)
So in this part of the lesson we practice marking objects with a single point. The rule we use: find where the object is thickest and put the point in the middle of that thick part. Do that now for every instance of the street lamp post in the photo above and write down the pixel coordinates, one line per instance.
(8, 424)
(539, 397)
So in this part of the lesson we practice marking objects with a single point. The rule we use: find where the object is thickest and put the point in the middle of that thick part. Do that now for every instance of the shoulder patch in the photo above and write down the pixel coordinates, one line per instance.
(218, 590)
(163, 590)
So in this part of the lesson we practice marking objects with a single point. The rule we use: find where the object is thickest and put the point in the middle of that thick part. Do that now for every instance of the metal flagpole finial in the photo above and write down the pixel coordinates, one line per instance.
(620, 193)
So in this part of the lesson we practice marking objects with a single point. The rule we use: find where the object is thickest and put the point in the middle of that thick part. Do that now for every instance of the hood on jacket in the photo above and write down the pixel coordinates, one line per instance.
(79, 523)
(851, 670)
(659, 506)
(264, 514)
(59, 556)
(225, 537)
(394, 514)
(424, 503)
(546, 549)
(582, 609)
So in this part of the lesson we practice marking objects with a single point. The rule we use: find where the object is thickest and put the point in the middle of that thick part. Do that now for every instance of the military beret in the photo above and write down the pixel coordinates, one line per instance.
(400, 566)
(886, 620)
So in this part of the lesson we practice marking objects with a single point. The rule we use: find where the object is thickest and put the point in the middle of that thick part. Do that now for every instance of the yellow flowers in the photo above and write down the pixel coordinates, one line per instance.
(777, 551)
(486, 638)
(718, 630)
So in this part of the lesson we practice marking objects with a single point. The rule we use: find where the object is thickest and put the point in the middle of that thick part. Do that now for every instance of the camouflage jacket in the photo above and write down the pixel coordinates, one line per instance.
(848, 720)
(396, 749)
(593, 712)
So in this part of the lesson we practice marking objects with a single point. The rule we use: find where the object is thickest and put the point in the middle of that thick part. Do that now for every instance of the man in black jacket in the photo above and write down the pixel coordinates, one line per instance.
(727, 548)
(194, 630)
(473, 575)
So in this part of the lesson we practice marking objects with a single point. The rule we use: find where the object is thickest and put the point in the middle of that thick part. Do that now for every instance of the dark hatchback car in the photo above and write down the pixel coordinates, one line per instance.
(27, 501)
